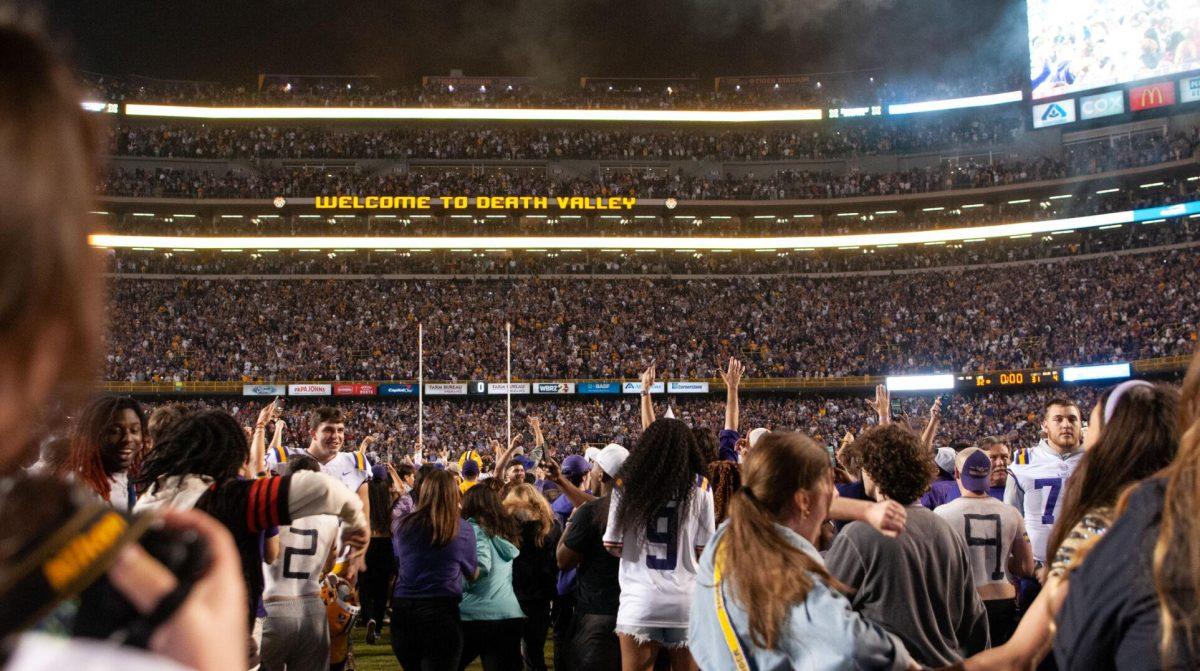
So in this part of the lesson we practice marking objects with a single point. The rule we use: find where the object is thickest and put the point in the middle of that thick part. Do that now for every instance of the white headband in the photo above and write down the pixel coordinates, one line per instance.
(1115, 397)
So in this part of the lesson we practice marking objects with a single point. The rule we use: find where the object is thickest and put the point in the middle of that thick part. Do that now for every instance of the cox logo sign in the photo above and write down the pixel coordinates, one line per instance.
(1105, 104)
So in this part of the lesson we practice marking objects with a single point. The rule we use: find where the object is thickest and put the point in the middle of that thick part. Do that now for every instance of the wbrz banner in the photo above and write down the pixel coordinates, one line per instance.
(446, 389)
(554, 388)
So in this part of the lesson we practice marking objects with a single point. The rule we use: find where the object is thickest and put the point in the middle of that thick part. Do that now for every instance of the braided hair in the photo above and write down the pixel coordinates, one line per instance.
(660, 470)
(86, 457)
(208, 442)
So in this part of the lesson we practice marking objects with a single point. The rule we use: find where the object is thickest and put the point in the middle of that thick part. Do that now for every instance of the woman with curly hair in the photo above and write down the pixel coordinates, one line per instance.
(726, 478)
(106, 439)
(918, 585)
(491, 614)
(659, 520)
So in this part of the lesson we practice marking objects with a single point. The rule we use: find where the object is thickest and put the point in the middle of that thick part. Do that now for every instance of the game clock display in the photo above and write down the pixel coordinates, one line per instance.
(1042, 377)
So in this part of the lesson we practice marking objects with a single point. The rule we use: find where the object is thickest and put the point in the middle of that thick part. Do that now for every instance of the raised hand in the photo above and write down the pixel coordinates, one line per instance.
(882, 404)
(647, 378)
(732, 376)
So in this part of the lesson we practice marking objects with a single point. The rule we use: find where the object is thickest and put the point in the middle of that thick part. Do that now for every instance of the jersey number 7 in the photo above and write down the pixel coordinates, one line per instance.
(1055, 485)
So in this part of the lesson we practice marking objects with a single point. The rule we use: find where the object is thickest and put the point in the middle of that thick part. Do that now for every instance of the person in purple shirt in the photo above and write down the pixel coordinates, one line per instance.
(728, 438)
(945, 491)
(435, 548)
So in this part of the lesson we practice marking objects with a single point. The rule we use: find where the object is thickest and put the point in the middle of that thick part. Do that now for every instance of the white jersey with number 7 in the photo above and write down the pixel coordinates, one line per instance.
(1036, 489)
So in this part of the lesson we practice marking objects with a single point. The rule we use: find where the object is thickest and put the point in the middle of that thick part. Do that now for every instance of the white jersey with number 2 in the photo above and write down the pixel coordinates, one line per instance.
(303, 548)
(658, 568)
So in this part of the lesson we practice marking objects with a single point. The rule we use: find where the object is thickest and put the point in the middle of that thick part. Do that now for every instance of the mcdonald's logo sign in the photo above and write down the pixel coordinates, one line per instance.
(1150, 96)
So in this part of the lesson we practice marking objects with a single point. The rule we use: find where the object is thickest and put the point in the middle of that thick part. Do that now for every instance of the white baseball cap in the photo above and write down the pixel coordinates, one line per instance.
(590, 454)
(756, 434)
(611, 458)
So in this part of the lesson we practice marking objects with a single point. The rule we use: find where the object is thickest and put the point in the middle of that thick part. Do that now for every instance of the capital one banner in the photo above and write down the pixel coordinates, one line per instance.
(309, 389)
(397, 389)
(1150, 96)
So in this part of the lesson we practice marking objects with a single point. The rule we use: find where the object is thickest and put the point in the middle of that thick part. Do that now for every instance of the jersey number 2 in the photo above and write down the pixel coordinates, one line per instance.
(670, 538)
(1055, 485)
(290, 552)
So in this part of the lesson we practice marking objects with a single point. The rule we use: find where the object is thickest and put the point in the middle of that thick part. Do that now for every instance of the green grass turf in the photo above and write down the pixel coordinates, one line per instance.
(379, 657)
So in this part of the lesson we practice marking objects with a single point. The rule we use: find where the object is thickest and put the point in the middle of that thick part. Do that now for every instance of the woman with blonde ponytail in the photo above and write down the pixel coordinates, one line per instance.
(1133, 602)
(764, 599)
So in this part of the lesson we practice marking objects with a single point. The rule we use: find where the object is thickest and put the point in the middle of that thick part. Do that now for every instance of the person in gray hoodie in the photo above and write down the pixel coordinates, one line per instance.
(491, 615)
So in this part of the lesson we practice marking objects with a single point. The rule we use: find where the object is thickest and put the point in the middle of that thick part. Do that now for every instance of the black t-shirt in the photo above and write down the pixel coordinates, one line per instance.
(535, 570)
(1110, 617)
(247, 508)
(597, 586)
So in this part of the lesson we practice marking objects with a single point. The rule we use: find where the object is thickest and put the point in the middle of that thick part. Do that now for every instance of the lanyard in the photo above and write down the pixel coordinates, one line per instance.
(740, 661)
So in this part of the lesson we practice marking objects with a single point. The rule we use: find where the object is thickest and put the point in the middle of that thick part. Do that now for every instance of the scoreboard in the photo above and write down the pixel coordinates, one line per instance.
(1040, 377)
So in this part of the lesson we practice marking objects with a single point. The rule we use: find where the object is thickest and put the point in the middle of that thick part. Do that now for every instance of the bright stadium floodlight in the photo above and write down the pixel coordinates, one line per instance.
(470, 114)
(919, 382)
(956, 103)
(1108, 371)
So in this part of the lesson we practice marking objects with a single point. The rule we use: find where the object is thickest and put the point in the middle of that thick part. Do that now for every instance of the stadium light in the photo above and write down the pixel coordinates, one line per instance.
(919, 382)
(470, 114)
(1108, 371)
(1024, 229)
(955, 103)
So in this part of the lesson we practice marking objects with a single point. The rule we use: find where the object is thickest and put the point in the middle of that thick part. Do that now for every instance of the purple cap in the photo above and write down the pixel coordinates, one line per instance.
(379, 472)
(575, 466)
(470, 468)
(974, 469)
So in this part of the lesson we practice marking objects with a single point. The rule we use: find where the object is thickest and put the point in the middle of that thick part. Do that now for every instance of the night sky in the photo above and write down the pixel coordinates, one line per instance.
(557, 40)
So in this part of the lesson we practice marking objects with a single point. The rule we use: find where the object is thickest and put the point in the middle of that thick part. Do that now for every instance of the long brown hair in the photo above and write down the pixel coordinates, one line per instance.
(51, 292)
(482, 503)
(726, 479)
(436, 511)
(1177, 550)
(526, 501)
(1139, 440)
(767, 573)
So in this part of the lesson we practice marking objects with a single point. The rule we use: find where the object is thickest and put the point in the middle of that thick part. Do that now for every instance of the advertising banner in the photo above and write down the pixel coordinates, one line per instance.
(1102, 105)
(598, 388)
(446, 389)
(1189, 90)
(501, 388)
(1150, 96)
(398, 389)
(686, 387)
(636, 388)
(309, 389)
(554, 388)
(1056, 113)
(264, 390)
(347, 389)
(476, 387)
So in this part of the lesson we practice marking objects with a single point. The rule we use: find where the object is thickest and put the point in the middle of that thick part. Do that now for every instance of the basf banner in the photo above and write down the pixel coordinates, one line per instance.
(309, 389)
(446, 389)
(397, 389)
(598, 387)
(353, 389)
(264, 390)
(1054, 114)
(685, 387)
(554, 388)
(1102, 105)
(636, 388)
(501, 388)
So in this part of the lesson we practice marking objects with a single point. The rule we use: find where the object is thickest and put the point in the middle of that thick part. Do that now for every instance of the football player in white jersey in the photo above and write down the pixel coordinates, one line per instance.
(328, 433)
(1038, 475)
(296, 630)
(659, 520)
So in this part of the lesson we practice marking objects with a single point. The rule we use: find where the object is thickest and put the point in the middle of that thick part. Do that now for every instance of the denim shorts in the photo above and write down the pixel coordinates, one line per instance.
(671, 637)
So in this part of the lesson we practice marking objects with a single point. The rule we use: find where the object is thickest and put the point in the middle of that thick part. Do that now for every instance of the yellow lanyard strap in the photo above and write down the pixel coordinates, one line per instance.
(731, 639)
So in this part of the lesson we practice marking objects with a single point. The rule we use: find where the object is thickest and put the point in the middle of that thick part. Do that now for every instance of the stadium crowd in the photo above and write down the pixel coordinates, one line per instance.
(1120, 307)
(189, 539)
(364, 92)
(307, 142)
(787, 183)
